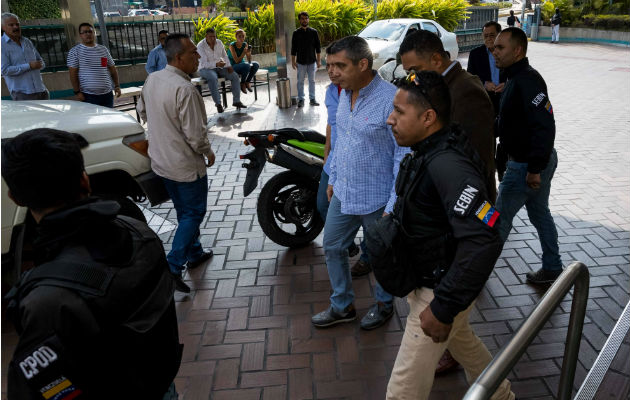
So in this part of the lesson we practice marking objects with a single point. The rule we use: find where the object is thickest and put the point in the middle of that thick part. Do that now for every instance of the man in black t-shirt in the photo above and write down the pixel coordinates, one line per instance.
(305, 57)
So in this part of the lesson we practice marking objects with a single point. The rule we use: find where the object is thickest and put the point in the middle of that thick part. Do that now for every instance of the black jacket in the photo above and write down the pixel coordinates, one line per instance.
(556, 19)
(525, 123)
(112, 332)
(479, 64)
(450, 199)
(512, 19)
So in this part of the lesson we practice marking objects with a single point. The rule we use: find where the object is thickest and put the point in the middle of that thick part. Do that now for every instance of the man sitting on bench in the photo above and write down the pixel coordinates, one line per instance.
(214, 63)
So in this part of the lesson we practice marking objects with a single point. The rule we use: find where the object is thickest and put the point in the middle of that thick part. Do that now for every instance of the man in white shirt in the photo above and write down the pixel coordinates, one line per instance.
(214, 63)
(178, 141)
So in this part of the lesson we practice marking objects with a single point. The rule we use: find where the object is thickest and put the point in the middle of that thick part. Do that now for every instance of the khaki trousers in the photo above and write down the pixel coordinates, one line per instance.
(418, 356)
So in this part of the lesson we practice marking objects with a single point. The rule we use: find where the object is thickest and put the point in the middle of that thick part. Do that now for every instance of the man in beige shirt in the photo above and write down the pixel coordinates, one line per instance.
(178, 142)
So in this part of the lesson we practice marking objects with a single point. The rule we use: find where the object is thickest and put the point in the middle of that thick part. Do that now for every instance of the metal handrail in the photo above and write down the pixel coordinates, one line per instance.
(576, 275)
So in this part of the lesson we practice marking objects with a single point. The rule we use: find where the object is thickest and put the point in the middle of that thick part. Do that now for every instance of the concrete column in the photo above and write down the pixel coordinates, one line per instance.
(74, 13)
(284, 13)
(4, 4)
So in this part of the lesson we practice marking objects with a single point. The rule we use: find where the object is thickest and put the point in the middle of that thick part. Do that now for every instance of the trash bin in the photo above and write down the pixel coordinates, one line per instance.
(283, 92)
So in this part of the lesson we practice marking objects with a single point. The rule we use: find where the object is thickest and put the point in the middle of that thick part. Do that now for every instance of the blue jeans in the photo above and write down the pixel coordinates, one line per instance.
(514, 194)
(212, 77)
(339, 231)
(322, 208)
(302, 71)
(246, 70)
(190, 200)
(105, 100)
(171, 394)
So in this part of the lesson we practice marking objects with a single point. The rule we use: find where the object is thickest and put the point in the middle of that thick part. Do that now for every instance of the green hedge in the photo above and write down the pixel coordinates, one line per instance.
(500, 4)
(35, 9)
(585, 13)
(607, 22)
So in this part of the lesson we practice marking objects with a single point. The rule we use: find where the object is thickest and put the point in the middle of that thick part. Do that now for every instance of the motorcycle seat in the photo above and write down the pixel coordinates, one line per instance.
(313, 136)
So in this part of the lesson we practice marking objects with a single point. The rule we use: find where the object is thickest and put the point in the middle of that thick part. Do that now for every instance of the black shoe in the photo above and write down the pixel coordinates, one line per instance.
(219, 108)
(180, 286)
(329, 317)
(377, 316)
(205, 256)
(300, 103)
(360, 268)
(542, 276)
(353, 250)
(313, 102)
(239, 105)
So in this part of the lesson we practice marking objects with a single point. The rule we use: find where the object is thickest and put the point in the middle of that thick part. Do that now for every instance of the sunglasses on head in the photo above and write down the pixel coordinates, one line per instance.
(414, 78)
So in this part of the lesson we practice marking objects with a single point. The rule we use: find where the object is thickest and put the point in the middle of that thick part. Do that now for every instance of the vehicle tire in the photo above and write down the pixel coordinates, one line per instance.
(128, 207)
(289, 199)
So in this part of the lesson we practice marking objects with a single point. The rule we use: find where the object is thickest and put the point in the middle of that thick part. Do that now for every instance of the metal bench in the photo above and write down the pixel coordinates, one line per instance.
(224, 89)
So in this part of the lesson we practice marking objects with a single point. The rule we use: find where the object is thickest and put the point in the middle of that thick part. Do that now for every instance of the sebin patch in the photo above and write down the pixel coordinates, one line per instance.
(487, 214)
(466, 198)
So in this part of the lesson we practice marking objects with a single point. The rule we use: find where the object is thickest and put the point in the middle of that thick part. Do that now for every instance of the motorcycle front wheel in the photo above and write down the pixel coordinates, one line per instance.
(287, 209)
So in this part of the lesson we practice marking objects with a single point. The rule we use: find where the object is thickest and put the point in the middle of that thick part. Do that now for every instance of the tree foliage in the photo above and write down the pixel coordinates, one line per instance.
(35, 9)
(260, 28)
(223, 26)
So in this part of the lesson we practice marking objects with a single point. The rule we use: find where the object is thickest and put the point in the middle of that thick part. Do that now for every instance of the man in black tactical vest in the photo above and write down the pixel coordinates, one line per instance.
(96, 316)
(446, 244)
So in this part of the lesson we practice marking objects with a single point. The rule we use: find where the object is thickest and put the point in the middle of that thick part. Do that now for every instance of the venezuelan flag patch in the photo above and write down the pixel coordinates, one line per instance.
(548, 107)
(62, 389)
(487, 214)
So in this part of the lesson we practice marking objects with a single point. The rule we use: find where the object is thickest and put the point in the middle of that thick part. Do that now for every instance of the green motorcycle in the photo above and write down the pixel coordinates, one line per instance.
(287, 204)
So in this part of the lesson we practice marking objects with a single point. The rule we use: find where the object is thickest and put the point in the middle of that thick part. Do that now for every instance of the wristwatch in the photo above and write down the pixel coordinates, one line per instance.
(76, 91)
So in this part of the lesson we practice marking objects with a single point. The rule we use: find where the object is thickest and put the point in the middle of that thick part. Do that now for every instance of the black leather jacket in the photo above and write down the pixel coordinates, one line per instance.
(96, 315)
(446, 208)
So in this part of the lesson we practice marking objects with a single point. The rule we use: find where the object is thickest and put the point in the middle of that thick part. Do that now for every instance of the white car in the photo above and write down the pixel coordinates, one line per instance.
(115, 159)
(157, 12)
(138, 13)
(385, 36)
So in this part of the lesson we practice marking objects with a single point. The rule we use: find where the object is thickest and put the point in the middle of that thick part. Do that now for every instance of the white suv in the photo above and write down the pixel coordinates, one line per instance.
(116, 160)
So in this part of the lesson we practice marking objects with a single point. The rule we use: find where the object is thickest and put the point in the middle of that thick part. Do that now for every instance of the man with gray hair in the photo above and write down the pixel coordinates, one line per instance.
(363, 170)
(178, 142)
(21, 62)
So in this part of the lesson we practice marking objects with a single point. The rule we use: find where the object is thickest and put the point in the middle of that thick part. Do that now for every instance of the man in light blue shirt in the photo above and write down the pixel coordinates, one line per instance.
(21, 62)
(157, 57)
(363, 171)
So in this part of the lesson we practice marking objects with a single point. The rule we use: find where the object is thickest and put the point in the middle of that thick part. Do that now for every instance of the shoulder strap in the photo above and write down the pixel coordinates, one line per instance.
(90, 279)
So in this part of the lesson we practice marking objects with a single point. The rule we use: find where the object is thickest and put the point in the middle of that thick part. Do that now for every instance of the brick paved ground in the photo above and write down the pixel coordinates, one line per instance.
(246, 325)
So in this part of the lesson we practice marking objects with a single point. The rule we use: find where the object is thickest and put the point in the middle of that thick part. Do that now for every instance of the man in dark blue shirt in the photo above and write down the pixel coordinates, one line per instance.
(527, 131)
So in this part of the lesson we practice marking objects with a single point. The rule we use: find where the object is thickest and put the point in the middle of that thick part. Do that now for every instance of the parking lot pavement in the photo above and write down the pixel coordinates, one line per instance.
(246, 324)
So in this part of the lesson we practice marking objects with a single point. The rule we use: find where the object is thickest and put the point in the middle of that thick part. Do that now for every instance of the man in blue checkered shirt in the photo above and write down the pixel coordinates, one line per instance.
(362, 175)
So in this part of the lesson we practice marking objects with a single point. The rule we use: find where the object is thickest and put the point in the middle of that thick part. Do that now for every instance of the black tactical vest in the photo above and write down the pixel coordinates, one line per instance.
(401, 261)
(133, 304)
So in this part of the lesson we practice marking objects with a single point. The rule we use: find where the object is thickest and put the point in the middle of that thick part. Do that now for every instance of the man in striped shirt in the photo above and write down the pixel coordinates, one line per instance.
(92, 71)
